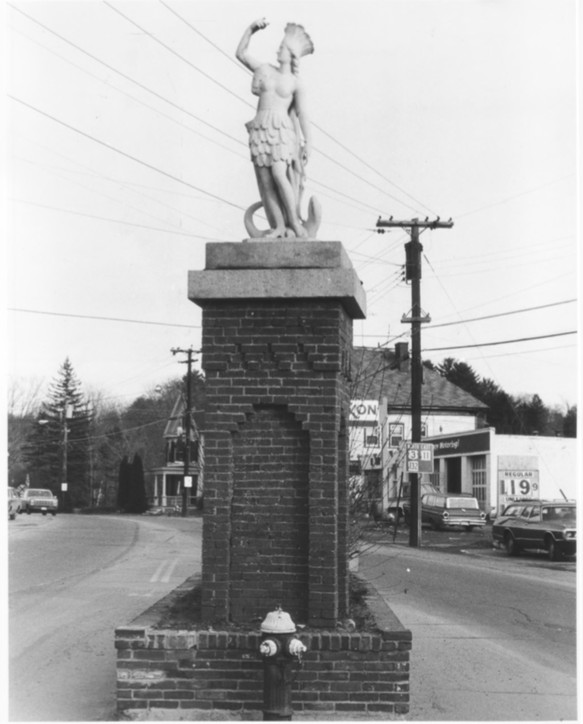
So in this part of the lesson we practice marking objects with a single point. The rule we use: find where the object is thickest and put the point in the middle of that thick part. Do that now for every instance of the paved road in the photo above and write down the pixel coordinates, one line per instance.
(72, 580)
(493, 637)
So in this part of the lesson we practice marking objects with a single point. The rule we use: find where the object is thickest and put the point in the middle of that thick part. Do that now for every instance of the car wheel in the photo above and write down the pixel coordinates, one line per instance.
(44, 512)
(53, 514)
(552, 550)
(511, 545)
(12, 516)
(27, 511)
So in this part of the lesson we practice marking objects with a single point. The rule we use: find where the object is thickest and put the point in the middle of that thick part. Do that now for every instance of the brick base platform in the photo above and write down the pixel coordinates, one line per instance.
(343, 675)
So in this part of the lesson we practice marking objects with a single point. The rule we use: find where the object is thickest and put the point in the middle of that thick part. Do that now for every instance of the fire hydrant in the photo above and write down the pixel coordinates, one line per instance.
(281, 649)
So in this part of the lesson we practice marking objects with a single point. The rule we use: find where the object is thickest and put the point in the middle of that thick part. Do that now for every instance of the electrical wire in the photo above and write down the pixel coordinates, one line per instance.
(102, 319)
(126, 77)
(504, 314)
(125, 154)
(114, 221)
(506, 341)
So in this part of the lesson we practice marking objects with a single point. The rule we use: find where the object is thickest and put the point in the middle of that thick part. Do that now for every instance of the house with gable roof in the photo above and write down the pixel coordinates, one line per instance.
(168, 480)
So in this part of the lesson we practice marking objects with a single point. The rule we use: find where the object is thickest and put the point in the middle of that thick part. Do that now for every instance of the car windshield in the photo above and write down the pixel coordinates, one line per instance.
(462, 503)
(559, 513)
(40, 494)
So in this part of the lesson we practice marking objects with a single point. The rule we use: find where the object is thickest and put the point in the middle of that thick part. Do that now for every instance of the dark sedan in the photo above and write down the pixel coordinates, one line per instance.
(548, 525)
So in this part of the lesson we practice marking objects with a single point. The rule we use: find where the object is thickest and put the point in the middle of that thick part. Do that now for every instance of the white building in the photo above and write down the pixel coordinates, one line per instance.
(499, 468)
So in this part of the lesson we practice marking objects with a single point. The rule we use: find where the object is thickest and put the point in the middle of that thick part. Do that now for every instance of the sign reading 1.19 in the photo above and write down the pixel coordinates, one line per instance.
(522, 483)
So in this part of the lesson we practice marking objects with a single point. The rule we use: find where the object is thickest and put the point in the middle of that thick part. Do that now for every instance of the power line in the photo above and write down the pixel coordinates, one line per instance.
(110, 220)
(126, 77)
(123, 153)
(171, 50)
(102, 319)
(514, 353)
(511, 198)
(143, 103)
(504, 314)
(127, 185)
(506, 341)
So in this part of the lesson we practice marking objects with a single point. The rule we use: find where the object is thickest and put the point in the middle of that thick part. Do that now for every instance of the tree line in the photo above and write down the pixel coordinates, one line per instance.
(509, 415)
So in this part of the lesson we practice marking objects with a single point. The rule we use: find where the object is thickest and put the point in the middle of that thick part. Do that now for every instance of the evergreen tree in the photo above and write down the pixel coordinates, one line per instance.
(534, 416)
(58, 446)
(570, 422)
(138, 502)
(461, 375)
(124, 485)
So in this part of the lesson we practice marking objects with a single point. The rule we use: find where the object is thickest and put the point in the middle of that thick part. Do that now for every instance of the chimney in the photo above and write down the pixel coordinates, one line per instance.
(401, 353)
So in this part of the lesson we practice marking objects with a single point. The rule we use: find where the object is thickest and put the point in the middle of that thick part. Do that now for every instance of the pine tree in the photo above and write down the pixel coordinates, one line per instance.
(58, 447)
(138, 502)
(124, 485)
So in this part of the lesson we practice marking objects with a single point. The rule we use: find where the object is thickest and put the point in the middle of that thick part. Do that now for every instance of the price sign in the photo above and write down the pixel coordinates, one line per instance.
(420, 457)
(188, 481)
(518, 485)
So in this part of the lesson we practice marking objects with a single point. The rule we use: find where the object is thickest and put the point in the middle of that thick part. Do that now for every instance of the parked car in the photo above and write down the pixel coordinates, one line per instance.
(40, 499)
(13, 503)
(449, 509)
(402, 505)
(548, 525)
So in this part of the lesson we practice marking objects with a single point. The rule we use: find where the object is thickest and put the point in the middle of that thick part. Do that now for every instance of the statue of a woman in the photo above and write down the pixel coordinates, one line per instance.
(279, 136)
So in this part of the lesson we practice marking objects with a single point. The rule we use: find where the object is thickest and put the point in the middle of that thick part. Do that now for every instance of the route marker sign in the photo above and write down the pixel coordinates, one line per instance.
(419, 457)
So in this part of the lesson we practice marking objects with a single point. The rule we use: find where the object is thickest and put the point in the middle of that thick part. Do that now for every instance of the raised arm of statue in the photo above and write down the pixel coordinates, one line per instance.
(279, 136)
(242, 49)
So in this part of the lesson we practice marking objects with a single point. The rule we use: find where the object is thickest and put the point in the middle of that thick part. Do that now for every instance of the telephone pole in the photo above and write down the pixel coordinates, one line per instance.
(416, 318)
(187, 478)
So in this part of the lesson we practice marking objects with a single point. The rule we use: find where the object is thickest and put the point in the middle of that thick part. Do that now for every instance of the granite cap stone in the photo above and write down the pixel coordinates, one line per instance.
(278, 270)
(277, 254)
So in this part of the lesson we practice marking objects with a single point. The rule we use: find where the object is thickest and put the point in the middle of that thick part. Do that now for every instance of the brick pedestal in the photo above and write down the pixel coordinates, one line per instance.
(191, 674)
(277, 337)
(276, 341)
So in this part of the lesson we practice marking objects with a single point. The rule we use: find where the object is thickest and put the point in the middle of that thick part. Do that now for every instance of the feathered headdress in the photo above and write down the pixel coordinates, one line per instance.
(297, 40)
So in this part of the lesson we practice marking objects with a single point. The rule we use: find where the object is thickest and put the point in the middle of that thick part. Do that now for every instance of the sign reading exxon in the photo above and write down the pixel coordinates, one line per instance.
(364, 412)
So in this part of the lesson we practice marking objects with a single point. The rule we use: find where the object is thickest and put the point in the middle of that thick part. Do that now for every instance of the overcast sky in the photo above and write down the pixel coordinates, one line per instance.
(127, 153)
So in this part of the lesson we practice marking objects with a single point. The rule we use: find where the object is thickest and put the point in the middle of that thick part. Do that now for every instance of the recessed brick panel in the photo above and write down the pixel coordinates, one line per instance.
(269, 516)
(275, 507)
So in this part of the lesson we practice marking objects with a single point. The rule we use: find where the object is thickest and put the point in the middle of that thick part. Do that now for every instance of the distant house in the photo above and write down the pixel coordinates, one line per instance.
(168, 480)
(380, 419)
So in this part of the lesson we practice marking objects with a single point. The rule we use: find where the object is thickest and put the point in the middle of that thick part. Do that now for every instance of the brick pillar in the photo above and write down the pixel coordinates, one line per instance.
(276, 343)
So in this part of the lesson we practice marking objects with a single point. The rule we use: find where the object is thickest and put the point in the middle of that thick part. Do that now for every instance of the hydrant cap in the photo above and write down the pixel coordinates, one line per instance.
(278, 622)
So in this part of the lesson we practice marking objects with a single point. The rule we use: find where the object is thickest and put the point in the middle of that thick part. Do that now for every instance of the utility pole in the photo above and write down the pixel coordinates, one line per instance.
(416, 318)
(187, 478)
